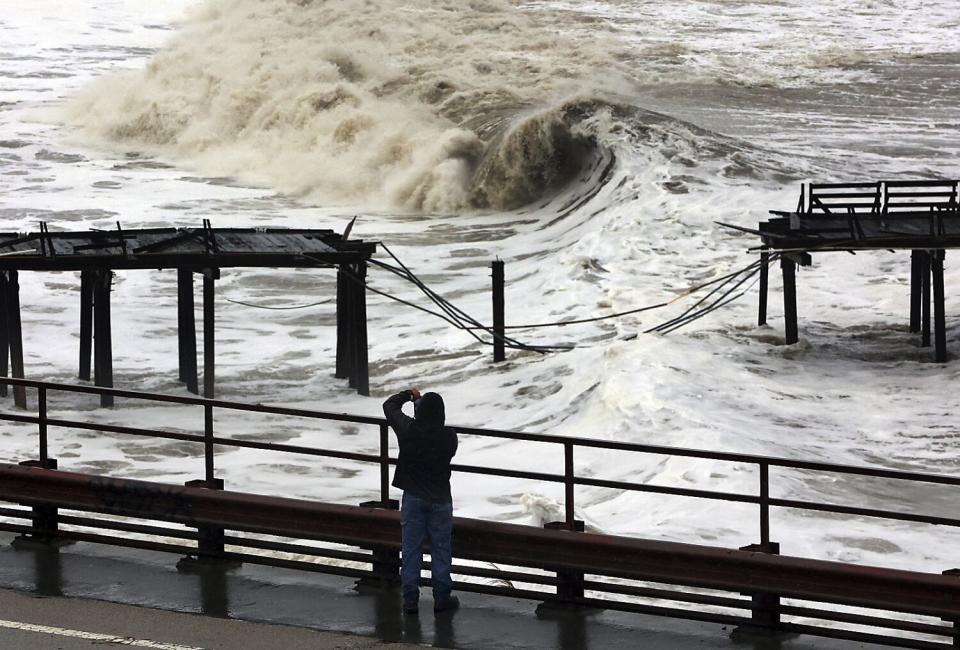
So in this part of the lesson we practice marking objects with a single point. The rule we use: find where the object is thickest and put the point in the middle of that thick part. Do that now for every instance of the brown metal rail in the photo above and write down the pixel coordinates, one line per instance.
(522, 546)
(698, 568)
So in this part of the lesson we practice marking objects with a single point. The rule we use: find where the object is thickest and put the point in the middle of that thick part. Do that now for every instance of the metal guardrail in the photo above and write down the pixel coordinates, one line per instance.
(764, 606)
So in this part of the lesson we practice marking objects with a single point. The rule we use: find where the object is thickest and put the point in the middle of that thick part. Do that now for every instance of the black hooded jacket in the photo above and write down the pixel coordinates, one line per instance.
(426, 446)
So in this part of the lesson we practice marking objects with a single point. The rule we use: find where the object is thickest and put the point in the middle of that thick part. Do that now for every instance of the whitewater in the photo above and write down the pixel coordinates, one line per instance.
(591, 146)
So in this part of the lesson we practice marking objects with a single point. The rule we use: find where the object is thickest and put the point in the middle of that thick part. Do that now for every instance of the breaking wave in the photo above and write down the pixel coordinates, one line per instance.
(423, 105)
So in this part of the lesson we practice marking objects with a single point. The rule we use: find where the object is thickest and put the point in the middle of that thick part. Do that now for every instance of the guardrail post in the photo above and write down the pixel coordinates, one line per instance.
(44, 519)
(569, 583)
(955, 622)
(386, 560)
(210, 551)
(765, 606)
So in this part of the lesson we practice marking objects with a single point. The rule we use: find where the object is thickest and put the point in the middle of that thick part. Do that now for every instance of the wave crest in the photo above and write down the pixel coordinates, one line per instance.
(322, 100)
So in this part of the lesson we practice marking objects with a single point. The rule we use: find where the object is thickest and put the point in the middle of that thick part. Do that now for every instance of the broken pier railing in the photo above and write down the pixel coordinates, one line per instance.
(563, 564)
(191, 251)
(920, 216)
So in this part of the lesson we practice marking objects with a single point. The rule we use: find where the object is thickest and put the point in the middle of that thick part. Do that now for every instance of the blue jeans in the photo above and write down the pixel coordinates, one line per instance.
(418, 519)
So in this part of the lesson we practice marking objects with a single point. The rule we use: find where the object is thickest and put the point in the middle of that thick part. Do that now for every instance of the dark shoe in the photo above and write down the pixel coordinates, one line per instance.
(451, 604)
(412, 610)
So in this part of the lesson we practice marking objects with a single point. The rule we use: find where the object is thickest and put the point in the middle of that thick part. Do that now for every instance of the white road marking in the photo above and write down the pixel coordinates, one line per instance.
(93, 636)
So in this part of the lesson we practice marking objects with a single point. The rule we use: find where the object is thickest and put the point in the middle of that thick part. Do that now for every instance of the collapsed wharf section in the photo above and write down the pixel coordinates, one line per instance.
(203, 251)
(922, 216)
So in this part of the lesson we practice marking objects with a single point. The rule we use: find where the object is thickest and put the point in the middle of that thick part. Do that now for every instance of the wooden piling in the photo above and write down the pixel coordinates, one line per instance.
(939, 317)
(4, 334)
(15, 334)
(361, 361)
(187, 330)
(499, 331)
(103, 334)
(342, 370)
(349, 340)
(925, 300)
(764, 283)
(86, 322)
(916, 269)
(181, 353)
(209, 333)
(789, 268)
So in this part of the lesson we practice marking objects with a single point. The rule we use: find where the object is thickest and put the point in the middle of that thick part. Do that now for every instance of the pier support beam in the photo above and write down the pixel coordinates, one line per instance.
(343, 325)
(87, 278)
(360, 377)
(352, 359)
(499, 331)
(939, 314)
(916, 269)
(187, 330)
(209, 332)
(102, 334)
(4, 334)
(925, 299)
(789, 268)
(14, 332)
(764, 283)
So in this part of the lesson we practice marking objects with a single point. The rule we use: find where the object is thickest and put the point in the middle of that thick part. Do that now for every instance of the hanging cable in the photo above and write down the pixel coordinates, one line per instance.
(688, 317)
(284, 308)
(459, 319)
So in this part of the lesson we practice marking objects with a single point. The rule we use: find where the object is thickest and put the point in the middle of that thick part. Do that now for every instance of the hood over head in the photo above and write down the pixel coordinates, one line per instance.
(430, 411)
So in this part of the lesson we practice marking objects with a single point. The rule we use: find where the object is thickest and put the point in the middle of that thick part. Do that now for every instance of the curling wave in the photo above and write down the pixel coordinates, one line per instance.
(362, 102)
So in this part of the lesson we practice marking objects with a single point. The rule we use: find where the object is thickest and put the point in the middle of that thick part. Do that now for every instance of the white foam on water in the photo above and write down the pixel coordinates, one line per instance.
(458, 110)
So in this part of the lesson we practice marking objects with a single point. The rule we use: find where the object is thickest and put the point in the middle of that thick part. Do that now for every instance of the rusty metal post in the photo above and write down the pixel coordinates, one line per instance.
(764, 606)
(499, 331)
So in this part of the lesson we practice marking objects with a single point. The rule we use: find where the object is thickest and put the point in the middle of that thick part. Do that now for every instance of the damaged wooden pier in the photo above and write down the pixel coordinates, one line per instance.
(191, 251)
(922, 216)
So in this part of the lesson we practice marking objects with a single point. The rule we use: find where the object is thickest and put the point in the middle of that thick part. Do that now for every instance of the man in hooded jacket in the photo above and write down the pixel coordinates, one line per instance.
(423, 473)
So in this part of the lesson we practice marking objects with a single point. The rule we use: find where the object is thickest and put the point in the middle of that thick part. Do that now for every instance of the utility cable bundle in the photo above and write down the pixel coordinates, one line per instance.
(459, 319)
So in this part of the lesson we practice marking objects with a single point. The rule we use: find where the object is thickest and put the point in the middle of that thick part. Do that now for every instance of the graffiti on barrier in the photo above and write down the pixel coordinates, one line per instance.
(124, 499)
